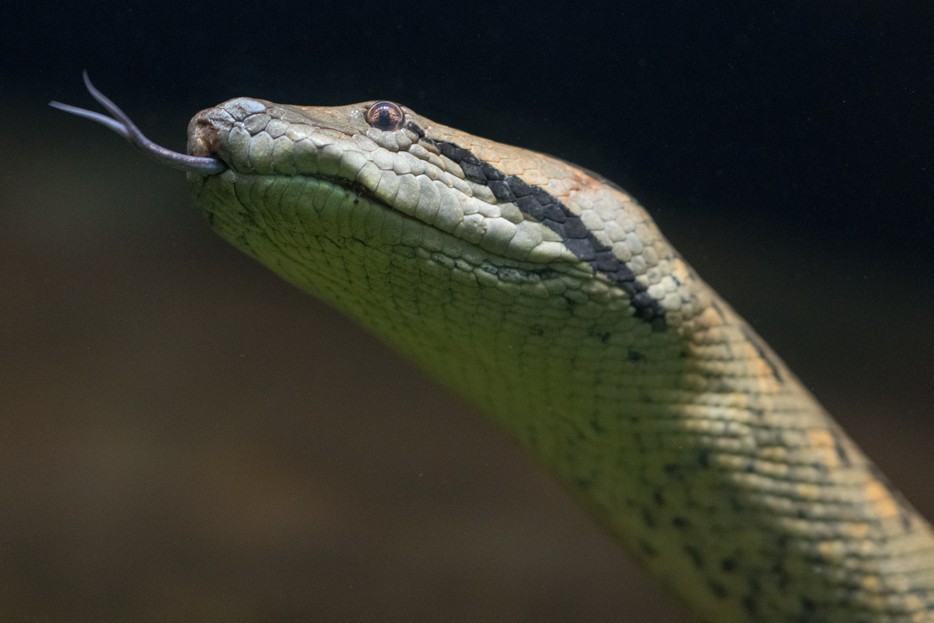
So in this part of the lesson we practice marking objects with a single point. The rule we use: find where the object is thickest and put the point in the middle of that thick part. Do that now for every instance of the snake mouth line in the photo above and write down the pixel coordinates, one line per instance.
(205, 142)
(361, 193)
(454, 248)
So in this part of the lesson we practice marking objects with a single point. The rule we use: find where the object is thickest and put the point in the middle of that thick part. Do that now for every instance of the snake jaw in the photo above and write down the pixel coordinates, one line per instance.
(401, 170)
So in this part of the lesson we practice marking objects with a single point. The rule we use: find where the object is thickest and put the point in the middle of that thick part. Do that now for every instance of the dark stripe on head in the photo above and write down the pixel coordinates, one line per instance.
(761, 351)
(547, 210)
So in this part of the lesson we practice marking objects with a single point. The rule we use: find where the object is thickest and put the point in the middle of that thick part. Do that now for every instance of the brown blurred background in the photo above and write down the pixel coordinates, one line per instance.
(184, 437)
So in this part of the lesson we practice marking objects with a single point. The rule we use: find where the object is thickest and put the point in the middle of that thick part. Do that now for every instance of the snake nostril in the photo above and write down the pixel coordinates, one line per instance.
(203, 138)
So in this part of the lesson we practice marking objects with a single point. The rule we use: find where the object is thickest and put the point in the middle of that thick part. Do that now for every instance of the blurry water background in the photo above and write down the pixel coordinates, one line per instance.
(184, 437)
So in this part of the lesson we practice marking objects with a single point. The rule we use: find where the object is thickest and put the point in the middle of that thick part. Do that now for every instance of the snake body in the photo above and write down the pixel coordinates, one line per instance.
(548, 297)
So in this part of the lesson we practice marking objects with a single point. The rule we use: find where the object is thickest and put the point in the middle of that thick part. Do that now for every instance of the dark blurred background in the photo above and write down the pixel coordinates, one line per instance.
(183, 437)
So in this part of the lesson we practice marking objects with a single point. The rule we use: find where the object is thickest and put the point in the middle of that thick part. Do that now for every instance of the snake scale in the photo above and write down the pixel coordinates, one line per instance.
(547, 296)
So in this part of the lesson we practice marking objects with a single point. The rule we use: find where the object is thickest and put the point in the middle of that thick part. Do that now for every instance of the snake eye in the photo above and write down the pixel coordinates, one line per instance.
(385, 116)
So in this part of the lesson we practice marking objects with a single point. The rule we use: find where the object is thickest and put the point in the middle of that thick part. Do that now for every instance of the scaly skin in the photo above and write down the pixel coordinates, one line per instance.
(589, 340)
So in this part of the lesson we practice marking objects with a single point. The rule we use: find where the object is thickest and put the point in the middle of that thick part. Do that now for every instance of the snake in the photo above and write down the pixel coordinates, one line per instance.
(546, 296)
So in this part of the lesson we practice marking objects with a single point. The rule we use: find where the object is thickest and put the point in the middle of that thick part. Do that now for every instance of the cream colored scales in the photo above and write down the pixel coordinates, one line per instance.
(549, 298)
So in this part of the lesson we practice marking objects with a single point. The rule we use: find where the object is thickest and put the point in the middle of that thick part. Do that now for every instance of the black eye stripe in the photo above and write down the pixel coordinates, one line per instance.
(550, 212)
(385, 116)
